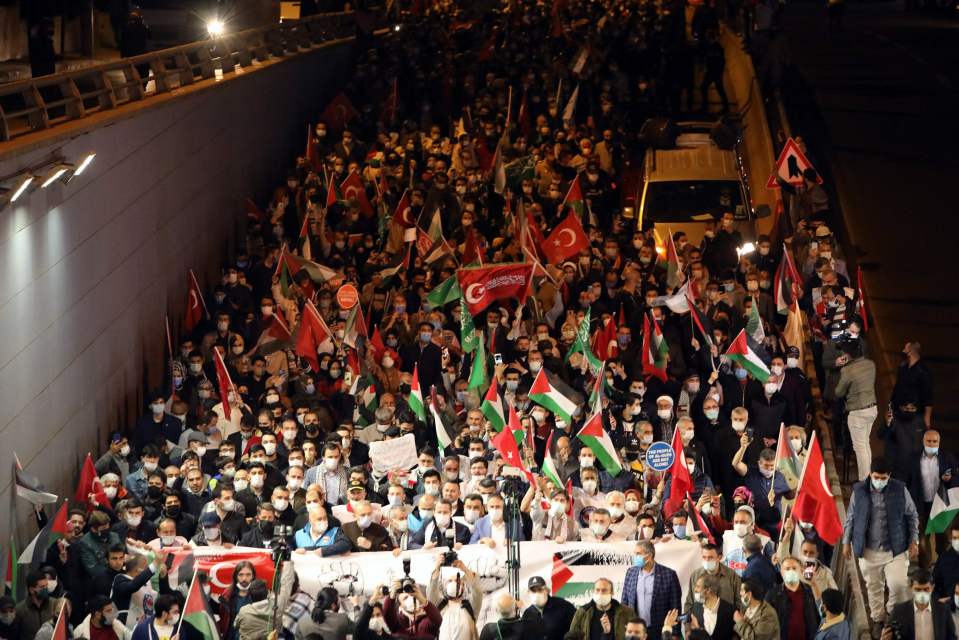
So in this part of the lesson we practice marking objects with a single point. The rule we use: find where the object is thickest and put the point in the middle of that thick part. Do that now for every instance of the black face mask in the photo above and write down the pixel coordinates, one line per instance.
(266, 527)
(173, 511)
(154, 492)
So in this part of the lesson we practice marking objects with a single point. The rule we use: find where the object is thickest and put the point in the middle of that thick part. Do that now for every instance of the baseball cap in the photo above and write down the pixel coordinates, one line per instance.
(822, 231)
(210, 519)
(536, 582)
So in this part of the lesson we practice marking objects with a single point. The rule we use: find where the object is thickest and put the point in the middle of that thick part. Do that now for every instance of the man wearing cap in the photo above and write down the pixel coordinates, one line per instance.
(355, 494)
(209, 534)
(547, 618)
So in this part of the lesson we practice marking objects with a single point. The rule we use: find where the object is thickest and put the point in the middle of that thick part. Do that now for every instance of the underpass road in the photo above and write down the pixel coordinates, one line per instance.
(878, 104)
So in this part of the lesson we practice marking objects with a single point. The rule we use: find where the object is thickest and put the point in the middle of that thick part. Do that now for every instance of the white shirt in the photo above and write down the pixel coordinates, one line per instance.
(709, 618)
(923, 622)
(497, 531)
(929, 468)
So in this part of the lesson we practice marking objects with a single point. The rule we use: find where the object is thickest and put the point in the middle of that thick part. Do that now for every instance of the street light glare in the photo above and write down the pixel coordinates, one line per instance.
(215, 28)
(85, 163)
(20, 189)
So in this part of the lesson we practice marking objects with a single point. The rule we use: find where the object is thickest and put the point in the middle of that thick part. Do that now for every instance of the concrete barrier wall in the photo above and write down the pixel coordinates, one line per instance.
(88, 270)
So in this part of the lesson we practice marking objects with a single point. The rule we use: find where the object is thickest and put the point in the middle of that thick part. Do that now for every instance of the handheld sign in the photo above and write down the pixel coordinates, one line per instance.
(660, 456)
(347, 296)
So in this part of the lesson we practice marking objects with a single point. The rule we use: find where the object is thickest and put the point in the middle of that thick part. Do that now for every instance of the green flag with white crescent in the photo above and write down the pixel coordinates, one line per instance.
(478, 376)
(581, 345)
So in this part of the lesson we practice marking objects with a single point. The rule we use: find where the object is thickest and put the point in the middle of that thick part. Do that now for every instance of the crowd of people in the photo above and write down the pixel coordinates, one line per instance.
(264, 428)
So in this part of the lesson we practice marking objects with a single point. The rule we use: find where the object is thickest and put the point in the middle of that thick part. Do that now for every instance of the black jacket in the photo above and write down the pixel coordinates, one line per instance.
(428, 361)
(505, 630)
(946, 463)
(945, 575)
(780, 602)
(943, 627)
(724, 619)
(551, 623)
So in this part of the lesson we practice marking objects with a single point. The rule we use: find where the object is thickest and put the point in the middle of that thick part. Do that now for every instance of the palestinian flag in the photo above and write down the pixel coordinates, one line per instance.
(35, 553)
(701, 322)
(479, 377)
(355, 327)
(754, 324)
(745, 351)
(499, 170)
(944, 510)
(11, 577)
(674, 271)
(787, 278)
(514, 426)
(553, 394)
(594, 436)
(443, 439)
(655, 348)
(581, 344)
(60, 629)
(570, 110)
(366, 401)
(469, 340)
(29, 487)
(390, 273)
(549, 465)
(574, 199)
(446, 292)
(518, 170)
(306, 244)
(289, 265)
(198, 613)
(492, 407)
(786, 461)
(416, 396)
(697, 521)
(561, 574)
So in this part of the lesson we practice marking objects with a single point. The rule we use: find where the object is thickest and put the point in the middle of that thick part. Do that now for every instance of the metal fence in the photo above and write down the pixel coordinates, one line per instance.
(27, 106)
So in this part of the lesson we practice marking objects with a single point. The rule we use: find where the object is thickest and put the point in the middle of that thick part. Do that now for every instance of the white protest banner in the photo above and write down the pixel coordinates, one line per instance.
(360, 573)
(389, 455)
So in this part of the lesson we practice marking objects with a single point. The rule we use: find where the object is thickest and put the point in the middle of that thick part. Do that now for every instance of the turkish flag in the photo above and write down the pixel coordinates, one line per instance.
(311, 333)
(90, 483)
(195, 306)
(567, 239)
(353, 189)
(339, 112)
(815, 502)
(682, 482)
(226, 385)
(482, 285)
(505, 444)
(472, 251)
(402, 214)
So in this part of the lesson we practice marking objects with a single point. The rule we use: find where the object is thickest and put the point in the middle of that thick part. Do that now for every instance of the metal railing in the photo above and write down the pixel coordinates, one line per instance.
(27, 106)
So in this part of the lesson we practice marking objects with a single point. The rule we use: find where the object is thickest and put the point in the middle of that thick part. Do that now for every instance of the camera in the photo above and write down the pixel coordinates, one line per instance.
(406, 566)
(280, 544)
(449, 557)
(407, 585)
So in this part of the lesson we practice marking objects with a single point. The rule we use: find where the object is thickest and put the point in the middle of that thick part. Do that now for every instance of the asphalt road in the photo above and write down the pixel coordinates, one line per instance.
(878, 103)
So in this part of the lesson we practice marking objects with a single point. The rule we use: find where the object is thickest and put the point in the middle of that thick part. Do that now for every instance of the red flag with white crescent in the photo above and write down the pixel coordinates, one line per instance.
(567, 239)
(223, 378)
(195, 305)
(482, 285)
(815, 501)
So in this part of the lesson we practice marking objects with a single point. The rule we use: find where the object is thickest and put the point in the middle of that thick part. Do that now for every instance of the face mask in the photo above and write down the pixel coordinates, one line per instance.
(294, 484)
(331, 463)
(431, 489)
(110, 492)
(699, 597)
(741, 374)
(710, 565)
(589, 486)
(646, 439)
(664, 414)
(922, 597)
(425, 337)
(687, 437)
(632, 507)
(647, 533)
(320, 526)
(879, 485)
(149, 467)
(364, 522)
(792, 363)
(791, 576)
(409, 604)
(599, 530)
(378, 624)
(335, 373)
(167, 541)
(679, 530)
(211, 533)
(767, 473)
(602, 599)
(586, 462)
(496, 514)
(739, 426)
(269, 448)
(240, 485)
(810, 560)
(616, 512)
(796, 444)
(125, 450)
(770, 388)
(134, 521)
(256, 481)
(204, 394)
(776, 369)
(441, 520)
(931, 451)
(741, 529)
(426, 514)
(228, 505)
(157, 408)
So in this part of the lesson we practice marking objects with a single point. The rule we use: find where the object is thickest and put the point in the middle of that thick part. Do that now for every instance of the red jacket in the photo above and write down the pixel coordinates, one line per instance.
(426, 626)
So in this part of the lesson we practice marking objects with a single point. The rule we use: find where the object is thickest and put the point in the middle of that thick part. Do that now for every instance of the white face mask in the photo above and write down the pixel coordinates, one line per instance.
(557, 508)
(269, 448)
(589, 486)
(134, 521)
(110, 492)
(664, 414)
(294, 484)
(792, 363)
(228, 505)
(452, 590)
(587, 462)
(602, 600)
(211, 533)
(739, 426)
(632, 507)
(742, 530)
(377, 624)
(616, 512)
(496, 514)
(647, 533)
(167, 541)
(540, 598)
(240, 485)
(125, 450)
(599, 530)
(256, 481)
(796, 444)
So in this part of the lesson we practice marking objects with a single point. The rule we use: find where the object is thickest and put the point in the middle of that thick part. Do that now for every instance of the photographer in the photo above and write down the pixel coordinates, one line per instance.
(371, 625)
(459, 596)
(326, 620)
(409, 612)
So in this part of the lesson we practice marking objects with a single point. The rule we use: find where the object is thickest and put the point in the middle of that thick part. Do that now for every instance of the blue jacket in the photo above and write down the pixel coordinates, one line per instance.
(331, 543)
(836, 631)
(895, 495)
(483, 528)
(145, 630)
(667, 595)
(430, 533)
(759, 568)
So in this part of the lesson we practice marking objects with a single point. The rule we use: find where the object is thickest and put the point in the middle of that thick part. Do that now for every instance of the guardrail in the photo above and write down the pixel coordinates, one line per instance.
(27, 106)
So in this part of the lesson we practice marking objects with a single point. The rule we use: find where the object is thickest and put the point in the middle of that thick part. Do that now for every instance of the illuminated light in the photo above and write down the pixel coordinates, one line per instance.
(57, 173)
(19, 191)
(746, 249)
(84, 164)
(396, 28)
(215, 28)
